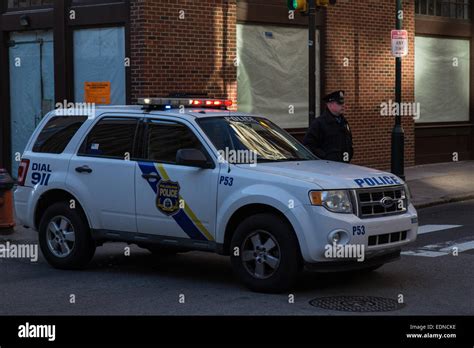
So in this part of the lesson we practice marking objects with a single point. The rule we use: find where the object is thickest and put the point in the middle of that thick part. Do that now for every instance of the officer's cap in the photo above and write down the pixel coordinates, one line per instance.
(337, 96)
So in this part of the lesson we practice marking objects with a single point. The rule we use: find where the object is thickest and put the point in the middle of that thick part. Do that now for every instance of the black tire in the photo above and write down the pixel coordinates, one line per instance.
(280, 278)
(84, 246)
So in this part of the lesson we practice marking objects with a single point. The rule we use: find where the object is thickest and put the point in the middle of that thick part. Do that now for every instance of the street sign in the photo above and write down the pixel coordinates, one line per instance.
(399, 43)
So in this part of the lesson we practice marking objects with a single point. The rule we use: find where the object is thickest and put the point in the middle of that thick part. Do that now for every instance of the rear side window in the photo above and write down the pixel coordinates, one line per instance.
(57, 133)
(112, 138)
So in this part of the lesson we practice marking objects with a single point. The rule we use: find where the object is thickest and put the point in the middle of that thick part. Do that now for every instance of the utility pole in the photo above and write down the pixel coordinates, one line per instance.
(398, 134)
(312, 60)
(309, 8)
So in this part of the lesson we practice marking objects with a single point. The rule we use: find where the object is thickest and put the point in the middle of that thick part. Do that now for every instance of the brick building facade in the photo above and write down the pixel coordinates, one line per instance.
(210, 47)
(183, 47)
(358, 60)
(198, 51)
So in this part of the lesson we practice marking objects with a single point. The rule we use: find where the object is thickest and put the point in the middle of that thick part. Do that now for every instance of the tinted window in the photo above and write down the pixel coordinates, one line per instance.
(111, 137)
(57, 133)
(165, 139)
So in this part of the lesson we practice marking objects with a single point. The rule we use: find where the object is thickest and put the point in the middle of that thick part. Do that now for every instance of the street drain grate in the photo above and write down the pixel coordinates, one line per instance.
(356, 304)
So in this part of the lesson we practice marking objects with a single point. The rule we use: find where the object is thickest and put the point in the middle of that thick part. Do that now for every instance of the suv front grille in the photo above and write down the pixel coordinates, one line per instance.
(381, 201)
(387, 238)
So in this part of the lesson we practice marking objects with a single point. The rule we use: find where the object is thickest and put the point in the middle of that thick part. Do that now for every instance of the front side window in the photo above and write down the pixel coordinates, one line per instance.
(57, 133)
(166, 138)
(255, 136)
(112, 138)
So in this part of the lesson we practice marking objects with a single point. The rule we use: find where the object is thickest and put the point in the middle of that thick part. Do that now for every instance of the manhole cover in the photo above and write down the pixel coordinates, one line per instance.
(356, 303)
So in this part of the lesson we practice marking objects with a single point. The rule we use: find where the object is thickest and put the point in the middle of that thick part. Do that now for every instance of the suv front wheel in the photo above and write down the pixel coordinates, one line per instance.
(64, 237)
(265, 253)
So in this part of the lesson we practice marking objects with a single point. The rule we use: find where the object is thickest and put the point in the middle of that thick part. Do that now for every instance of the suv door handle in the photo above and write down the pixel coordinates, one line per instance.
(84, 169)
(150, 176)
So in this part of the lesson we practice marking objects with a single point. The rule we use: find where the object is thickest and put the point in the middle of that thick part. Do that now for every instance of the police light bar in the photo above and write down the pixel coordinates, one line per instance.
(170, 103)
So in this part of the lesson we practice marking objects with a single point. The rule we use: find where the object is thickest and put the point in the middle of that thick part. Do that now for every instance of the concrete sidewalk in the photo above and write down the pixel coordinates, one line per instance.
(433, 184)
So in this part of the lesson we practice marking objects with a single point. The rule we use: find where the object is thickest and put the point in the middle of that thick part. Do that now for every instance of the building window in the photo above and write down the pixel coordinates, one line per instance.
(442, 79)
(457, 9)
(99, 62)
(28, 3)
(272, 74)
(93, 2)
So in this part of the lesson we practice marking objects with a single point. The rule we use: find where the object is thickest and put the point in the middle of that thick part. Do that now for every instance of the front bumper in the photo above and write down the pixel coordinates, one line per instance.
(314, 224)
(351, 265)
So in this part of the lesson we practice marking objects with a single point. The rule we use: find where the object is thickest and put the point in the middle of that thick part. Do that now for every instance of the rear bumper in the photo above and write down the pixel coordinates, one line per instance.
(352, 265)
(22, 201)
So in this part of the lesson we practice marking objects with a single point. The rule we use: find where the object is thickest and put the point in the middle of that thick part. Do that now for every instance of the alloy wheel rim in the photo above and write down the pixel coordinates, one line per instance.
(61, 236)
(261, 254)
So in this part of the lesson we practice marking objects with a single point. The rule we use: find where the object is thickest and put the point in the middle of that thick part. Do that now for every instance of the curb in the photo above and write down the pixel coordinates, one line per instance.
(445, 200)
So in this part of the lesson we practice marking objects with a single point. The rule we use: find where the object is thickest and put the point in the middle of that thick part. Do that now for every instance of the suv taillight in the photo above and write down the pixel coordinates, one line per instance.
(23, 171)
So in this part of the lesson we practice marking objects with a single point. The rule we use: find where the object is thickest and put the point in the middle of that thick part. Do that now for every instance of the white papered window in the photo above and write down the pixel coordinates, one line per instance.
(442, 79)
(273, 73)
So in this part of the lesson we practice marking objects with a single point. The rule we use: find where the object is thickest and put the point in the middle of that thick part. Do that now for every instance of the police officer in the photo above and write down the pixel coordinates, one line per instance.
(329, 136)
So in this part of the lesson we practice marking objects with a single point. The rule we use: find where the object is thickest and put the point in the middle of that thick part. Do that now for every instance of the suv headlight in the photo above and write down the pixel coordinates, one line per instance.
(407, 194)
(336, 201)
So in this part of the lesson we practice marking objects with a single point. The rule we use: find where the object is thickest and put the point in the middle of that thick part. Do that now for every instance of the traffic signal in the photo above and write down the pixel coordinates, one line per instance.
(303, 6)
(298, 5)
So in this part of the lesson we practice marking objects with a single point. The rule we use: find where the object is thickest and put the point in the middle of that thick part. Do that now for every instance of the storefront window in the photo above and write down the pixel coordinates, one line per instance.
(93, 2)
(272, 73)
(99, 65)
(458, 9)
(442, 79)
(28, 3)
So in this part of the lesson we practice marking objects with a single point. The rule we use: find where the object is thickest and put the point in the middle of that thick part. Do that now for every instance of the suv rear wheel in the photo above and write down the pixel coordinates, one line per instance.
(64, 237)
(268, 257)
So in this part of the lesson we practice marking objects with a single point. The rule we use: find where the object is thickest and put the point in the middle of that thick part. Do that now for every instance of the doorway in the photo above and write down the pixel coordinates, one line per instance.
(31, 85)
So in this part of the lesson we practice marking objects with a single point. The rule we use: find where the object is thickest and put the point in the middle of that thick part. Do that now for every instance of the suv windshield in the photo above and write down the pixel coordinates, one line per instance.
(256, 136)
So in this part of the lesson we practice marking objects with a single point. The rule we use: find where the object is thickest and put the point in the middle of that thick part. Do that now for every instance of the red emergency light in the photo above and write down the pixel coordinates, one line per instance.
(210, 102)
(170, 103)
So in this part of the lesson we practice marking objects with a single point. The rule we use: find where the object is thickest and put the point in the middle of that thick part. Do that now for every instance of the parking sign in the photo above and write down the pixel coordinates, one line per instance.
(399, 43)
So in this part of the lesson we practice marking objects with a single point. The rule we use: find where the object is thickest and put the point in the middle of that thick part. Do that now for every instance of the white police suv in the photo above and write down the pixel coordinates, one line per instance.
(174, 175)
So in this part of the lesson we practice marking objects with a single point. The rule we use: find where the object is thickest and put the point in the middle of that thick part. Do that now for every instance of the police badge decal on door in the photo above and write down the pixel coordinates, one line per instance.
(167, 198)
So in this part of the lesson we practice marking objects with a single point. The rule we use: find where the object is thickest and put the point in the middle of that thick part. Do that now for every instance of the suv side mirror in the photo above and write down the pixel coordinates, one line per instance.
(192, 158)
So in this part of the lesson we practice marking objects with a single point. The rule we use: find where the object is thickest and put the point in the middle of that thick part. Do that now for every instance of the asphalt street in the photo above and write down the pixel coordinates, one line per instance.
(431, 279)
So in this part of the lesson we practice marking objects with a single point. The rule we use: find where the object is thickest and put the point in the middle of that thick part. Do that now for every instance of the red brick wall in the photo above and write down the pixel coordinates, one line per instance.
(194, 54)
(360, 31)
